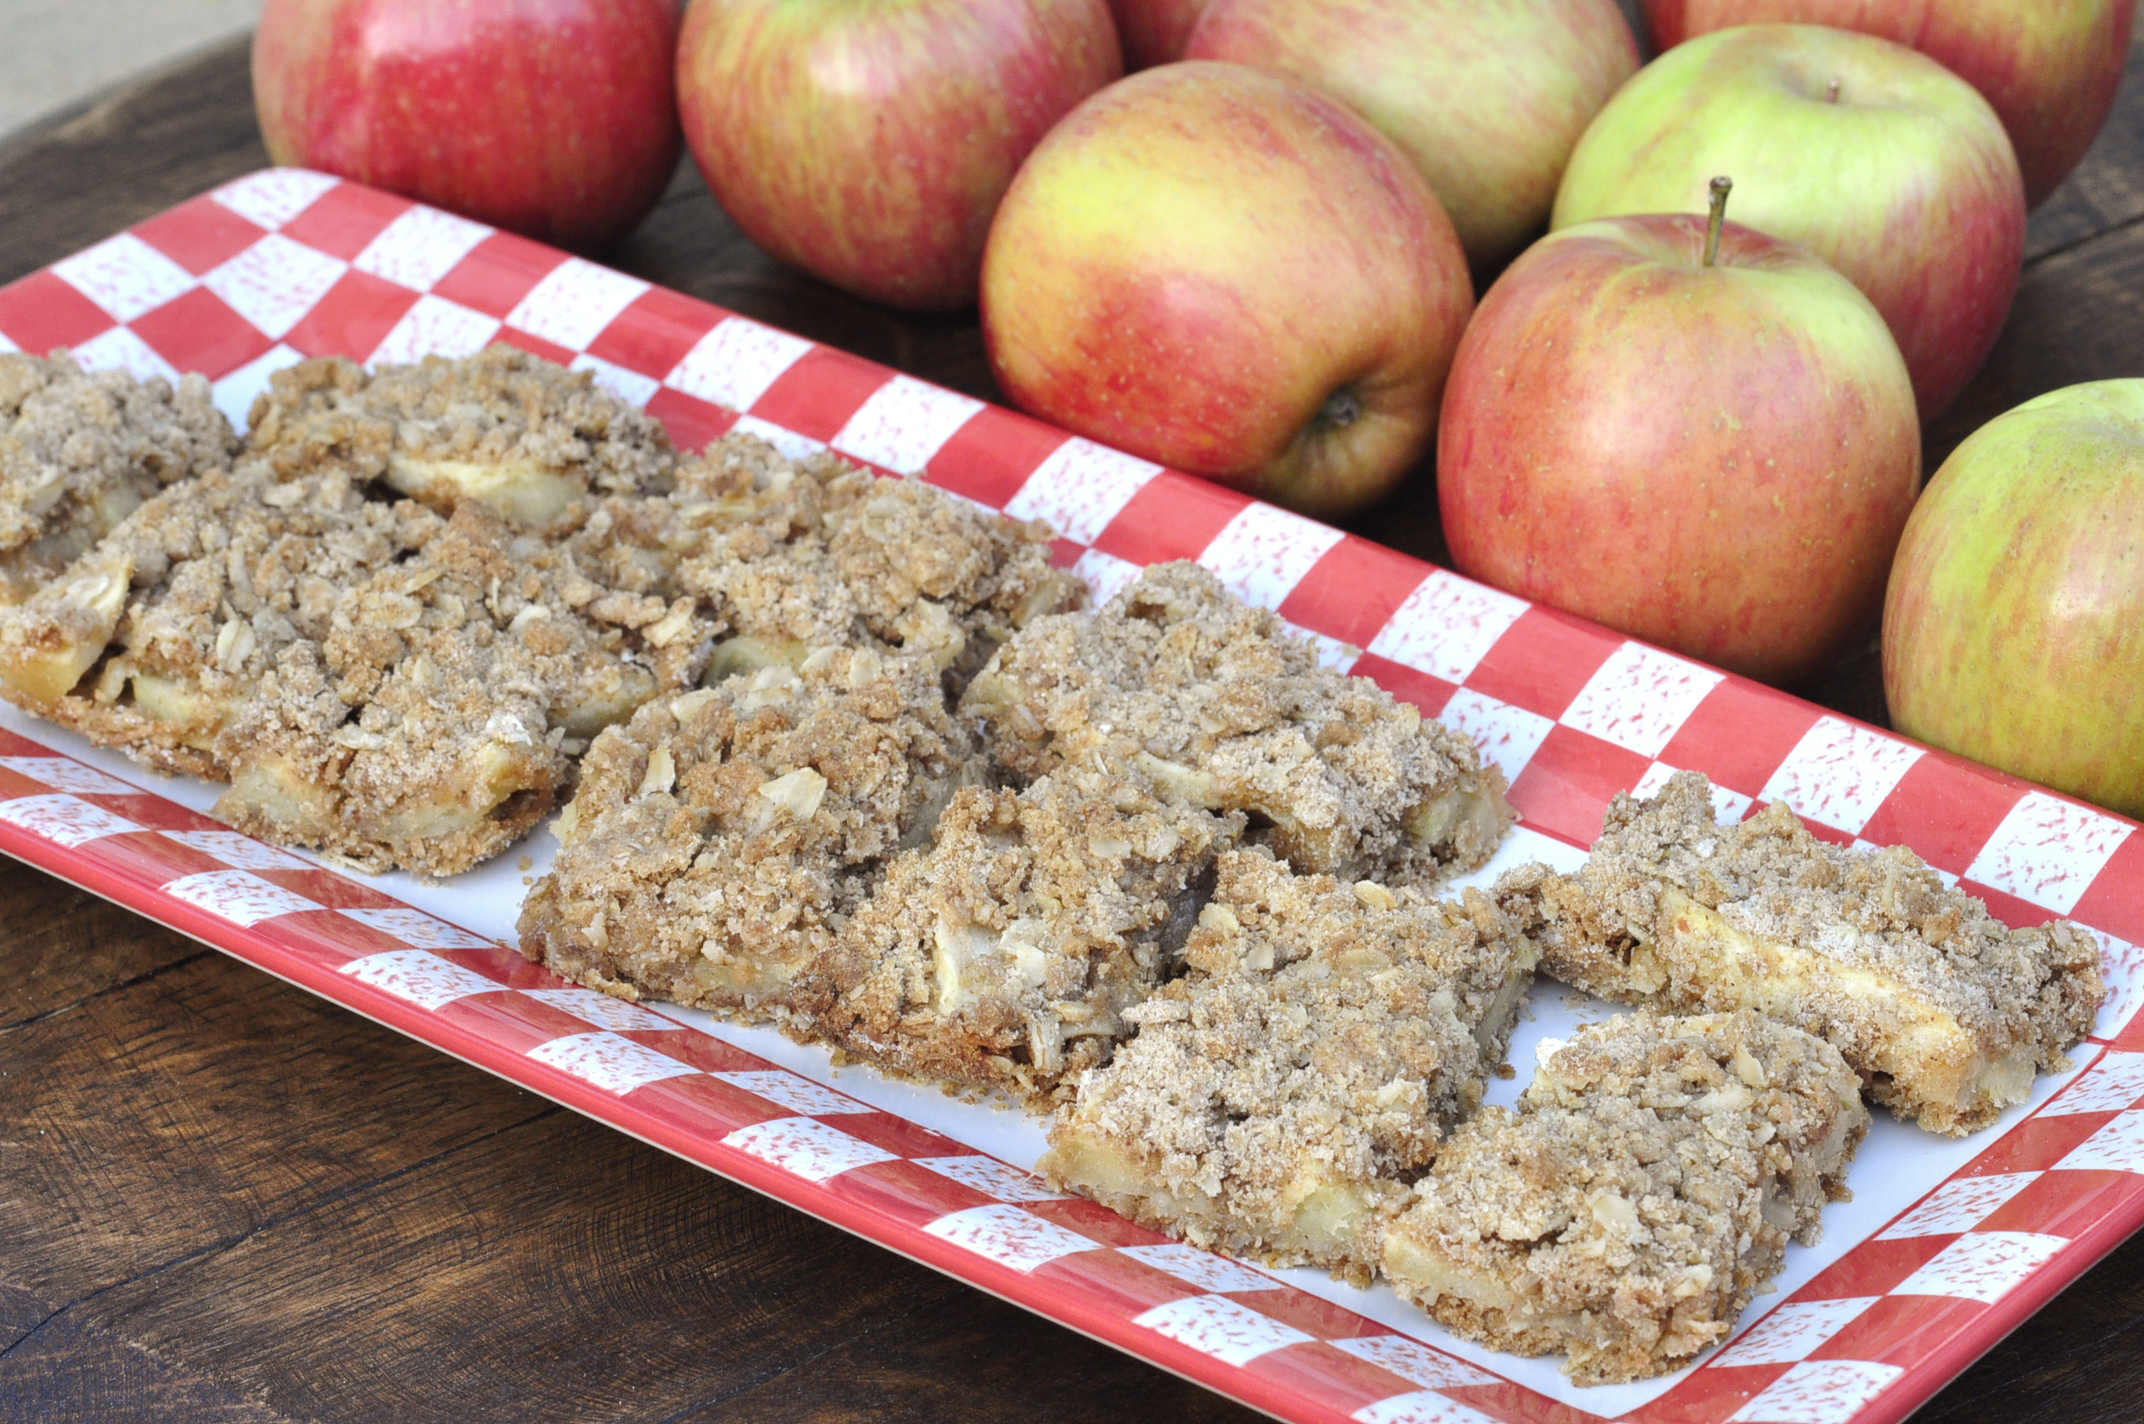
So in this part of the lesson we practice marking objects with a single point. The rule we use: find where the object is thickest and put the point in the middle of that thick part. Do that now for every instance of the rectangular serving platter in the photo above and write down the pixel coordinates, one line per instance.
(1946, 1248)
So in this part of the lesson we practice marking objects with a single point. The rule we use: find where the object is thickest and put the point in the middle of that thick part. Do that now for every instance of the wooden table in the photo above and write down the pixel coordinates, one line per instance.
(221, 1199)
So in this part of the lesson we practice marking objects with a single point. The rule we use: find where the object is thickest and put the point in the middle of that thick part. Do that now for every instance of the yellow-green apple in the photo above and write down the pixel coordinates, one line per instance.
(1232, 274)
(1875, 158)
(1487, 99)
(869, 141)
(1154, 31)
(555, 118)
(1715, 456)
(2050, 67)
(2014, 629)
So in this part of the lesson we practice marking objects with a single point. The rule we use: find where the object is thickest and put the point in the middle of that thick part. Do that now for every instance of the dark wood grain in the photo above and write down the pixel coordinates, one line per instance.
(221, 1200)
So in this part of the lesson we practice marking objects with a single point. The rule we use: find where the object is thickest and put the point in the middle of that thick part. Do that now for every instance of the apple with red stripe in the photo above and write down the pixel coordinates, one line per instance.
(1875, 158)
(1693, 433)
(2050, 67)
(2014, 629)
(1487, 99)
(556, 119)
(869, 141)
(1229, 273)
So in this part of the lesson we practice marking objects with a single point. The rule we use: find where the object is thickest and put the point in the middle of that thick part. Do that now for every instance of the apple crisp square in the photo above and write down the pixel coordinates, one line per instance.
(1945, 1012)
(1641, 1194)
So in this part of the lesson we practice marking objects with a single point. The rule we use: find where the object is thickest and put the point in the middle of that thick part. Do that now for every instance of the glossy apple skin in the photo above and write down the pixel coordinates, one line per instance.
(1197, 259)
(556, 119)
(1906, 184)
(2013, 633)
(1154, 31)
(2049, 67)
(1424, 72)
(869, 141)
(1717, 460)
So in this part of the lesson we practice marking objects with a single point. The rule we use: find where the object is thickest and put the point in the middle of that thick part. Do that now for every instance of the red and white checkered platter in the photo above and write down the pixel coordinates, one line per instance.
(1946, 1248)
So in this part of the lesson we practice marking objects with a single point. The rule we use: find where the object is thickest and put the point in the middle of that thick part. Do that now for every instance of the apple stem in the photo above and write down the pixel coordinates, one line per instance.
(1342, 408)
(1831, 92)
(1721, 187)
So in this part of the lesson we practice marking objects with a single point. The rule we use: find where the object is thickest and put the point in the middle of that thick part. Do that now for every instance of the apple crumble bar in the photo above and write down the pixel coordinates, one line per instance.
(822, 554)
(1644, 1190)
(373, 679)
(1945, 1012)
(519, 433)
(80, 452)
(720, 839)
(1215, 704)
(1008, 953)
(1280, 1096)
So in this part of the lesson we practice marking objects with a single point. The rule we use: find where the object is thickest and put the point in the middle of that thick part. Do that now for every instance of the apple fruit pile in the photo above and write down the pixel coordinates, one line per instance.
(1315, 248)
(1874, 157)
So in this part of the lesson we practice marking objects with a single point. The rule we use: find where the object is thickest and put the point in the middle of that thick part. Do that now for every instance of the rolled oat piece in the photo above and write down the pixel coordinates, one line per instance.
(1009, 953)
(508, 429)
(1642, 1193)
(1219, 707)
(720, 840)
(79, 452)
(1947, 1013)
(1279, 1098)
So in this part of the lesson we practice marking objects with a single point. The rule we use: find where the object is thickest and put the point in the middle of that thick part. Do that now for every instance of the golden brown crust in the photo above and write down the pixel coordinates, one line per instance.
(722, 838)
(1641, 1194)
(507, 428)
(1217, 706)
(1009, 953)
(80, 452)
(1279, 1097)
(1945, 1011)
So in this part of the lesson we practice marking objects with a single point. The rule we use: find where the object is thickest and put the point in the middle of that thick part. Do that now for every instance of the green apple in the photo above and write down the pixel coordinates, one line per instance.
(1875, 158)
(1487, 99)
(2050, 67)
(2014, 628)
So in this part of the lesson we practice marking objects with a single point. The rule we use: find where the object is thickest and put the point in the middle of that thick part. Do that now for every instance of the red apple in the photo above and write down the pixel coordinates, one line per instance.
(2014, 630)
(2050, 67)
(1716, 458)
(1232, 274)
(1487, 99)
(554, 118)
(869, 143)
(1154, 31)
(1875, 158)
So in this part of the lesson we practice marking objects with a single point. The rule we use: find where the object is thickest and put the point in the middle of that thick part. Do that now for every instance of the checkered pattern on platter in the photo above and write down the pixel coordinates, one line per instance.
(286, 263)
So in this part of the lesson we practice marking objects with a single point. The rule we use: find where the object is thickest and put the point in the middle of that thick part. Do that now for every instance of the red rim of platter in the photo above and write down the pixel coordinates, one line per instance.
(285, 263)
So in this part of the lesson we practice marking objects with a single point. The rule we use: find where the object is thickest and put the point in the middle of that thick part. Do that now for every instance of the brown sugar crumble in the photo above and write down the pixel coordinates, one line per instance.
(80, 452)
(1642, 1193)
(1946, 1013)
(1217, 706)
(1009, 953)
(1278, 1099)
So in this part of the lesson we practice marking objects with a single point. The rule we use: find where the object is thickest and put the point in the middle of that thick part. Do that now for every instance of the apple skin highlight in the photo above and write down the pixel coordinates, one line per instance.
(2014, 629)
(1234, 275)
(1716, 459)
